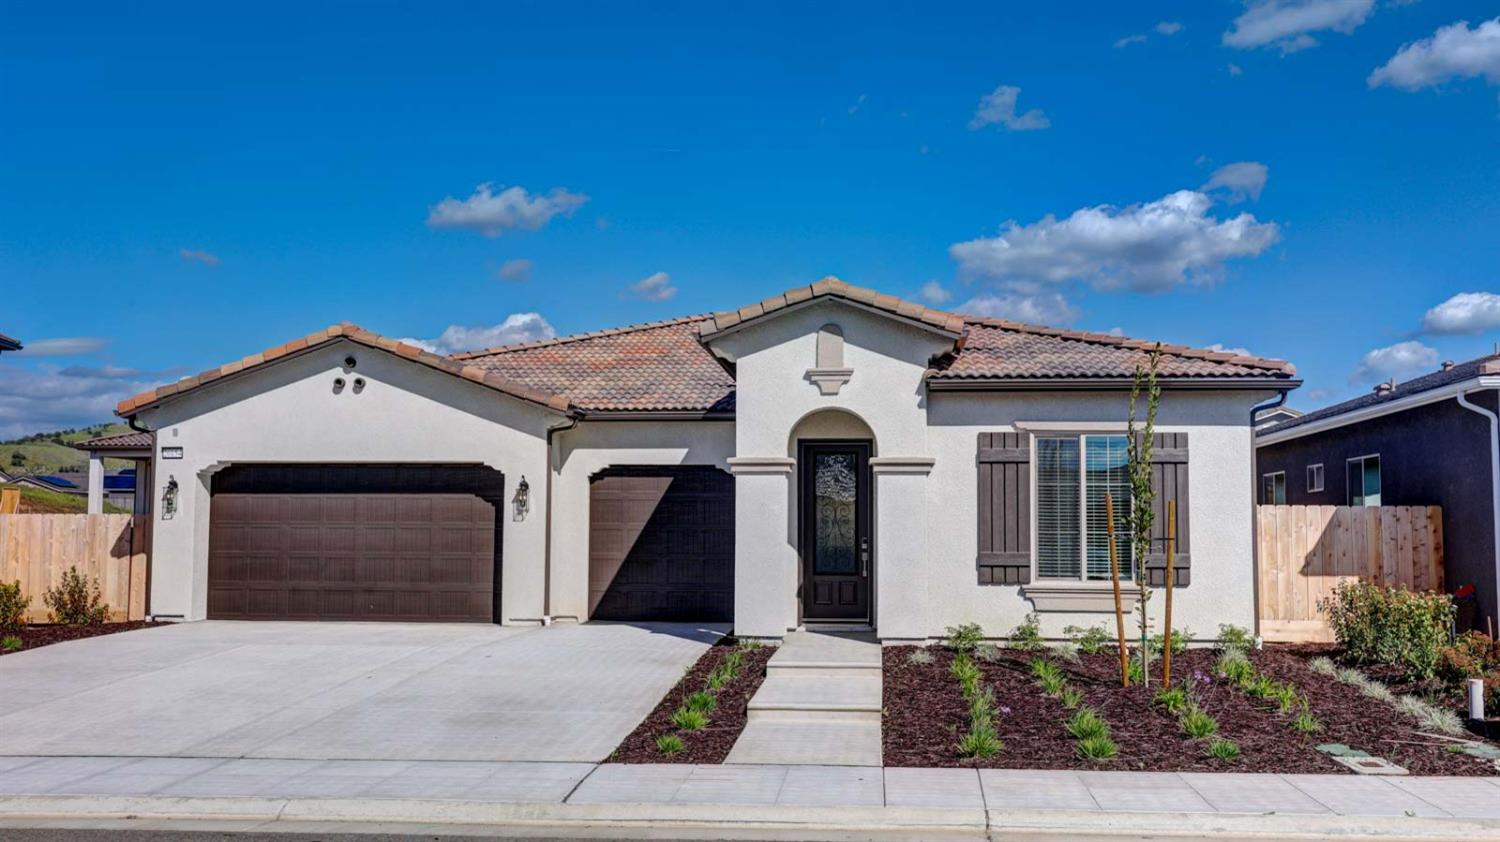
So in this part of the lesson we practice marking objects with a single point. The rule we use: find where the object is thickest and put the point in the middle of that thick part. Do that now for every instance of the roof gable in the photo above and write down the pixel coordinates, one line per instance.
(831, 288)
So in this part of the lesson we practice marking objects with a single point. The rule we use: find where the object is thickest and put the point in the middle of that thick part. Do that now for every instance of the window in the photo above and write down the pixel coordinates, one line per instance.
(1364, 480)
(1273, 489)
(1074, 474)
(1315, 477)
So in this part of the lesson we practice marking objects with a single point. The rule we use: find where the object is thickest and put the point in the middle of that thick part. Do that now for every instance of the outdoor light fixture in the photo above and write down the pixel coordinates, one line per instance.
(522, 499)
(169, 499)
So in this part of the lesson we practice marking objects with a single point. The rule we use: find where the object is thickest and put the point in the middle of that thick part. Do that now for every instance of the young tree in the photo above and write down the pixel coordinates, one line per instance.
(1142, 495)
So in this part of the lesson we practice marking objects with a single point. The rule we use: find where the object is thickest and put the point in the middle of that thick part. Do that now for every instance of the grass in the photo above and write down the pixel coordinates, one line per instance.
(10, 643)
(1086, 723)
(1071, 697)
(1323, 666)
(980, 741)
(1197, 723)
(669, 744)
(1306, 723)
(1222, 750)
(690, 720)
(1098, 747)
(42, 501)
(702, 701)
(967, 672)
(1235, 668)
(1174, 699)
(51, 453)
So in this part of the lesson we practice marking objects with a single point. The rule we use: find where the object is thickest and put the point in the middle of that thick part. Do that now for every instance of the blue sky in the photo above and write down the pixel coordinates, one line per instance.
(183, 185)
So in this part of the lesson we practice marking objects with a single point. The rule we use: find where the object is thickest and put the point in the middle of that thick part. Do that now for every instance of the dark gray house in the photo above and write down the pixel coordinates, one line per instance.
(1430, 441)
(8, 344)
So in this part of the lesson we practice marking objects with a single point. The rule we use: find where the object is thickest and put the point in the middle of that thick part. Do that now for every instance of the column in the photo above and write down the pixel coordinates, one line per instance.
(901, 546)
(765, 557)
(96, 483)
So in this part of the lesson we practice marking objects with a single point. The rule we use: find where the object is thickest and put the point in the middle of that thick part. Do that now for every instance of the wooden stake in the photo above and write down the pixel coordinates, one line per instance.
(1114, 575)
(1166, 658)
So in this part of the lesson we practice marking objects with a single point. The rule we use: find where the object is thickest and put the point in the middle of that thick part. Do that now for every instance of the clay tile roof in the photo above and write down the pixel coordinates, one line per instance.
(834, 288)
(1000, 349)
(351, 333)
(657, 366)
(119, 441)
(8, 344)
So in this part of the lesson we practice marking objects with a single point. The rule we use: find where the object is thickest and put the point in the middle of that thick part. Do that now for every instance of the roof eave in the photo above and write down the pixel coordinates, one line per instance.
(1295, 429)
(711, 332)
(1099, 384)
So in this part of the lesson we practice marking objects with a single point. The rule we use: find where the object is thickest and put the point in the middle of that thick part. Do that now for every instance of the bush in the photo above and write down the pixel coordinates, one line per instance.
(1391, 626)
(920, 657)
(1472, 655)
(12, 607)
(1235, 639)
(74, 603)
(10, 643)
(1180, 640)
(669, 744)
(965, 638)
(1028, 635)
(1235, 668)
(1090, 641)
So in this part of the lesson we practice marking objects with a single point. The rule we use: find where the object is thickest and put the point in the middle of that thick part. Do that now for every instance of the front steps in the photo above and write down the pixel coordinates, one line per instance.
(820, 704)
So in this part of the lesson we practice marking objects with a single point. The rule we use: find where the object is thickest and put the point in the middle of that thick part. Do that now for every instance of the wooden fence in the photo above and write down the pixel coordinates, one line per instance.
(37, 549)
(1305, 551)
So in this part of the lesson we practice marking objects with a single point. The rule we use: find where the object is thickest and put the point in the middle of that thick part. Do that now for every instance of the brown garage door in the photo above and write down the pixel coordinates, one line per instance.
(355, 542)
(661, 544)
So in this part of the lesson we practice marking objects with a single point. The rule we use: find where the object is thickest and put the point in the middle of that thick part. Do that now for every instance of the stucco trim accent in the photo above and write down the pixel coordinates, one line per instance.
(761, 465)
(829, 380)
(902, 464)
(1084, 596)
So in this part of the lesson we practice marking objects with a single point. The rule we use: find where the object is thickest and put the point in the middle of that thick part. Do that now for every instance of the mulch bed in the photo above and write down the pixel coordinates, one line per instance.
(712, 744)
(926, 713)
(44, 634)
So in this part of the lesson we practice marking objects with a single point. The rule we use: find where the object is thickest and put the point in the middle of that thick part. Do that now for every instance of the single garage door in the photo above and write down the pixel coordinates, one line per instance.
(661, 544)
(355, 542)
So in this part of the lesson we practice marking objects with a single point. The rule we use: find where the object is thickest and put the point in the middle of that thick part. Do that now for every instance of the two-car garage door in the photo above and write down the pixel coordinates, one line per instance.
(355, 542)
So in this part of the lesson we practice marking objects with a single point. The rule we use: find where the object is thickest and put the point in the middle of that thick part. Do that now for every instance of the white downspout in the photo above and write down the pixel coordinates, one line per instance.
(1463, 401)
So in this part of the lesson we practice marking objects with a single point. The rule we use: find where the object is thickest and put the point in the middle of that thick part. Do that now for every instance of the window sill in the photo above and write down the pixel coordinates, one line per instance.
(1087, 597)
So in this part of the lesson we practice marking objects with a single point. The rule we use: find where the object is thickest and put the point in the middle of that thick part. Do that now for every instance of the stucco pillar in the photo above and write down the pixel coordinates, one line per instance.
(765, 558)
(96, 483)
(901, 546)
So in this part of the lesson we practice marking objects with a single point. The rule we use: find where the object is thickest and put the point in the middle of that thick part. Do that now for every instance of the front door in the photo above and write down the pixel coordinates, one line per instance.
(835, 518)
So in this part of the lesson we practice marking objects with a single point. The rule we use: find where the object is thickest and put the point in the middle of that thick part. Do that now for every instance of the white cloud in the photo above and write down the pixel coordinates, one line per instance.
(1225, 349)
(654, 287)
(1466, 312)
(1042, 308)
(44, 399)
(933, 293)
(1116, 331)
(1138, 38)
(1288, 24)
(1168, 27)
(1145, 247)
(515, 270)
(63, 346)
(859, 103)
(191, 255)
(492, 214)
(517, 327)
(999, 108)
(1453, 52)
(1238, 180)
(1235, 70)
(1399, 360)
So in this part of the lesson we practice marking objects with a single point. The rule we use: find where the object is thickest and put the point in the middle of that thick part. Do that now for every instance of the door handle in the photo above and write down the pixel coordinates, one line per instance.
(864, 557)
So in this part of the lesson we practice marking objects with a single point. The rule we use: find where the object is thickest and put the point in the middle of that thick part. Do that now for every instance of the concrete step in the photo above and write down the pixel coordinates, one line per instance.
(808, 741)
(817, 697)
(821, 669)
(813, 648)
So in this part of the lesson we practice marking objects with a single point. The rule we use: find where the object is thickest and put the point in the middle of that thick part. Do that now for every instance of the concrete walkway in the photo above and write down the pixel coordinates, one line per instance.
(814, 799)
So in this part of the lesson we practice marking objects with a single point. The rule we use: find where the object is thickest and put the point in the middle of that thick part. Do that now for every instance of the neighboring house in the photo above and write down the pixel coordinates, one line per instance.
(1275, 415)
(827, 455)
(50, 482)
(1427, 442)
(8, 344)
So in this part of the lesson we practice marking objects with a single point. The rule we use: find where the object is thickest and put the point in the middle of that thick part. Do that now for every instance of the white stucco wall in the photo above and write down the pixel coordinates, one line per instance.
(591, 447)
(288, 412)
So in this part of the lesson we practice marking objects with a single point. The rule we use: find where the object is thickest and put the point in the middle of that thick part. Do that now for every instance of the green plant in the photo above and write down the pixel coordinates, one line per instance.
(1049, 676)
(1235, 668)
(1197, 723)
(1323, 666)
(1392, 626)
(1306, 723)
(1174, 699)
(1090, 641)
(669, 744)
(1097, 747)
(702, 701)
(987, 652)
(920, 657)
(1180, 640)
(1235, 639)
(12, 607)
(1349, 675)
(1028, 635)
(1430, 717)
(1052, 685)
(688, 719)
(750, 645)
(718, 678)
(1220, 749)
(968, 674)
(1064, 651)
(980, 741)
(1071, 697)
(1287, 698)
(74, 602)
(965, 637)
(1472, 655)
(1085, 723)
(1260, 687)
(1136, 671)
(1141, 511)
(10, 643)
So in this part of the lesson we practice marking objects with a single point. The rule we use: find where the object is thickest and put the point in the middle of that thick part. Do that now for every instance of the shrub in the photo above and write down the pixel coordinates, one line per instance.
(1306, 723)
(1174, 699)
(1196, 723)
(987, 652)
(1220, 749)
(1064, 651)
(690, 720)
(980, 741)
(1071, 697)
(1392, 626)
(1472, 655)
(1086, 723)
(965, 638)
(1235, 668)
(702, 701)
(1028, 635)
(1090, 641)
(74, 603)
(1180, 640)
(1235, 639)
(12, 607)
(1323, 666)
(1097, 747)
(920, 657)
(10, 643)
(669, 744)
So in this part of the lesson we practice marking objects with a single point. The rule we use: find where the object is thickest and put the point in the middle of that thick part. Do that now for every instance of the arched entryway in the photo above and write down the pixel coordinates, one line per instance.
(834, 509)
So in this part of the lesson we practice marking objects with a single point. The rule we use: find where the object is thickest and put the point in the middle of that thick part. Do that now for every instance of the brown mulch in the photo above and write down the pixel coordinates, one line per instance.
(43, 634)
(926, 713)
(712, 744)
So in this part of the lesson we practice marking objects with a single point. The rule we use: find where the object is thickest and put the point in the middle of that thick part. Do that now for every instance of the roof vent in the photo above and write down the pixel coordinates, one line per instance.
(1447, 364)
(1383, 389)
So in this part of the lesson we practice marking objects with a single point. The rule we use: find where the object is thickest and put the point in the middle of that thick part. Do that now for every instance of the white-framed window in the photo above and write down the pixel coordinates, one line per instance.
(1315, 477)
(1074, 475)
(1363, 474)
(1273, 489)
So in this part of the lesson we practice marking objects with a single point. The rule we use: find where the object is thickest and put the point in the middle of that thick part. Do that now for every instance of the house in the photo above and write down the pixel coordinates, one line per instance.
(1275, 415)
(1430, 441)
(828, 455)
(8, 344)
(119, 489)
(50, 482)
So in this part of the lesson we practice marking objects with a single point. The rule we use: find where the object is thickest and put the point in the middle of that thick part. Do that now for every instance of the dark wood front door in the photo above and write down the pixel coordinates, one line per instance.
(835, 518)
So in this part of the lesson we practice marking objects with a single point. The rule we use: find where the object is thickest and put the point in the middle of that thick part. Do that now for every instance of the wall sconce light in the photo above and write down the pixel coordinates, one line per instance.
(522, 500)
(169, 499)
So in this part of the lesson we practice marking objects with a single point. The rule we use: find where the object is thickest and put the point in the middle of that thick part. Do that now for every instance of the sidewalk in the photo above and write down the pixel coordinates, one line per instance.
(813, 801)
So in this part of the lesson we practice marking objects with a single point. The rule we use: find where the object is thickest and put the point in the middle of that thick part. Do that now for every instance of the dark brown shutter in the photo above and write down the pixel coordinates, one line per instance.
(1169, 478)
(1004, 509)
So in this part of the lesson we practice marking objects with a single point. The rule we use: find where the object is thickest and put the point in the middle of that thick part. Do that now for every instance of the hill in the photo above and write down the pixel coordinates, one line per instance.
(52, 453)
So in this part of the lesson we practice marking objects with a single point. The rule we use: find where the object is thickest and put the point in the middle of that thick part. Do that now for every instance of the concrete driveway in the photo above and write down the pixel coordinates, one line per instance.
(358, 691)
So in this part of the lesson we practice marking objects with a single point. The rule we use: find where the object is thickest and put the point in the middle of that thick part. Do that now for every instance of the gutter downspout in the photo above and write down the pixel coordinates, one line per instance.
(1463, 401)
(1254, 501)
(547, 523)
